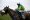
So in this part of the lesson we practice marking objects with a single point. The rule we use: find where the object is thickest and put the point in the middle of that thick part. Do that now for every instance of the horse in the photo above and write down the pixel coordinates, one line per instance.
(27, 16)
(11, 13)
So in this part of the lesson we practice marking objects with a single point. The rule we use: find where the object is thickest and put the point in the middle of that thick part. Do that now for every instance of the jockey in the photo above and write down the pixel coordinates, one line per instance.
(17, 10)
(20, 10)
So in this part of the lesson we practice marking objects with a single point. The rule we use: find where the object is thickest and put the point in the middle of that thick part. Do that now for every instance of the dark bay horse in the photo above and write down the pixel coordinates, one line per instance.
(11, 13)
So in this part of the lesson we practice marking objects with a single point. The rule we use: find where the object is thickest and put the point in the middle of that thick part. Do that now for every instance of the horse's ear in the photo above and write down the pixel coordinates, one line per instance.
(8, 6)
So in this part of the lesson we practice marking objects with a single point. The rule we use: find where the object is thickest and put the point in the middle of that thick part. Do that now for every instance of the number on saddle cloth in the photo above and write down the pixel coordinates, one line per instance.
(19, 13)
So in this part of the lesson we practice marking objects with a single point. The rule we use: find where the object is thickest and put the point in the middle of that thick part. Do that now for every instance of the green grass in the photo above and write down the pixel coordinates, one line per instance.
(5, 18)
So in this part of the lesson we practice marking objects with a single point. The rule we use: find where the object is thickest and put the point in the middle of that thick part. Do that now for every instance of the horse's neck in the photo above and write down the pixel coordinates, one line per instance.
(13, 12)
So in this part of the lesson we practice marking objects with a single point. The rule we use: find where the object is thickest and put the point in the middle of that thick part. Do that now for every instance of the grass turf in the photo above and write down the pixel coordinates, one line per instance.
(5, 18)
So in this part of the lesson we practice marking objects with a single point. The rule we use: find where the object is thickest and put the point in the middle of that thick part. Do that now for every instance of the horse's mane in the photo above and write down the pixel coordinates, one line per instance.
(12, 10)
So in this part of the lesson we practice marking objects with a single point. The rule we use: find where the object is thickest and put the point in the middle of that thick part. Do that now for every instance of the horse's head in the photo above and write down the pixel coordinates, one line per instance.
(6, 8)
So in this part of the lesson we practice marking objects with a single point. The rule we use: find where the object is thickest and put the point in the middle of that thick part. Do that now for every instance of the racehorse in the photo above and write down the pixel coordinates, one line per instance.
(27, 16)
(11, 13)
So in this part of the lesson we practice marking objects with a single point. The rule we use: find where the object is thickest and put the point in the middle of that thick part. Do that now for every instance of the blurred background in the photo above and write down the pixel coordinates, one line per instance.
(13, 3)
(23, 5)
